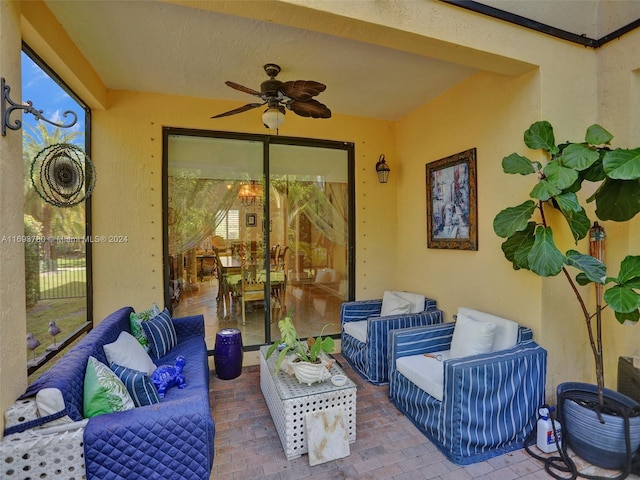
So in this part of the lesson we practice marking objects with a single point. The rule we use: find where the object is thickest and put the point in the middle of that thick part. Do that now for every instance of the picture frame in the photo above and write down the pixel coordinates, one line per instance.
(452, 202)
(251, 220)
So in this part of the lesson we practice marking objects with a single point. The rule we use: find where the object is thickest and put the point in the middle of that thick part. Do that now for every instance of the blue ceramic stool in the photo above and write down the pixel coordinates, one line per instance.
(228, 355)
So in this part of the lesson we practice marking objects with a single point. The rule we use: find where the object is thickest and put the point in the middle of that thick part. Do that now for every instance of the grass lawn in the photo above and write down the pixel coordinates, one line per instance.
(68, 313)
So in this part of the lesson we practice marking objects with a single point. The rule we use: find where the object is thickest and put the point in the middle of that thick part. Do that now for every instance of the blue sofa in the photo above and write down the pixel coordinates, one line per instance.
(170, 440)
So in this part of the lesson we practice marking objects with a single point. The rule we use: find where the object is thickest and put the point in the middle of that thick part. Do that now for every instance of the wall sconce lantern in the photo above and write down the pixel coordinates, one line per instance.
(382, 169)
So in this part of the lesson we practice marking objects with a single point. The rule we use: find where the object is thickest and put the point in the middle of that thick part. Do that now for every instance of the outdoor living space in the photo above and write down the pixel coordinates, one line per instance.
(230, 163)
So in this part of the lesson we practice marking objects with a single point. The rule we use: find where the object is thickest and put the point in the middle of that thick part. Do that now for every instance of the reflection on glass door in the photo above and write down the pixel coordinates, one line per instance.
(309, 221)
(243, 248)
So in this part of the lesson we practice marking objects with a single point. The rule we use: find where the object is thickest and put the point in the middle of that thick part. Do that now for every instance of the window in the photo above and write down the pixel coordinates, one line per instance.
(229, 227)
(57, 260)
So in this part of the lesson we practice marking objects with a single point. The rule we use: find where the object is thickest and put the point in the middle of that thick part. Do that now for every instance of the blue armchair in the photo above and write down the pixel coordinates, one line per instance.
(488, 401)
(365, 334)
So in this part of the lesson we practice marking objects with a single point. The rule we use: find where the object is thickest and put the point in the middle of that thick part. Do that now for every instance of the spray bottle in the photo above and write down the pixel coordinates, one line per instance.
(546, 436)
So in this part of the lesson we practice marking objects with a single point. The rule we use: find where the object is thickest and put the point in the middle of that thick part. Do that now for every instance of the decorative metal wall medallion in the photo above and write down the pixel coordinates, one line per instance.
(63, 175)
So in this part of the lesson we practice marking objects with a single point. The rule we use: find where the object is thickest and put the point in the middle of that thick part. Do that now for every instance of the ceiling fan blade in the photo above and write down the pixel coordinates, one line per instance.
(242, 88)
(311, 108)
(248, 106)
(302, 90)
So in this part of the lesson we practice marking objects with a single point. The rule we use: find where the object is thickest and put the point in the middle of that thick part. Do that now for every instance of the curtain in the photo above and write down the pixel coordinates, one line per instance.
(200, 207)
(327, 211)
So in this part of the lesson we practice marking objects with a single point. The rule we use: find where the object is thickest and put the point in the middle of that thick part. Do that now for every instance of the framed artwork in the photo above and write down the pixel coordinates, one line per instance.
(451, 202)
(252, 219)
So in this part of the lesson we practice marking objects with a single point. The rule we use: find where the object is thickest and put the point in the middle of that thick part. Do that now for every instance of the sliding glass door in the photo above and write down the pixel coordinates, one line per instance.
(256, 227)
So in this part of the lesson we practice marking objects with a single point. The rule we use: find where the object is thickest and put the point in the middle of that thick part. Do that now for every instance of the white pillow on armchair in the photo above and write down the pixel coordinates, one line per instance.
(394, 304)
(415, 299)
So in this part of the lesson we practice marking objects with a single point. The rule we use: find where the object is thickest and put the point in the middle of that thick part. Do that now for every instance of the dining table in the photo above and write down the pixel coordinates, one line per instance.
(231, 280)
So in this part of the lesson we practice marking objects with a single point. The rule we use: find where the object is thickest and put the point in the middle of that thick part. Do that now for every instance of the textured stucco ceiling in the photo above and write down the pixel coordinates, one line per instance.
(163, 47)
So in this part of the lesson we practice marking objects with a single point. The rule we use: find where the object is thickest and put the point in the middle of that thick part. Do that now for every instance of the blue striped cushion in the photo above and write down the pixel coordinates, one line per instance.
(139, 385)
(161, 333)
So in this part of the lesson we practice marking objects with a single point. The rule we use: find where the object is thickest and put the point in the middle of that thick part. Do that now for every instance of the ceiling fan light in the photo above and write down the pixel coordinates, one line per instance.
(272, 118)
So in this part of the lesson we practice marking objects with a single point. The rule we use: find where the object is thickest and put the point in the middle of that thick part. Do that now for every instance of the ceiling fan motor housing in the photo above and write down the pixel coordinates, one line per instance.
(269, 88)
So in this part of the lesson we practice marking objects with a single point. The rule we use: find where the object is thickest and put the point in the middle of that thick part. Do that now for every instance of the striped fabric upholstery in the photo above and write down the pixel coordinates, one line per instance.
(490, 401)
(370, 358)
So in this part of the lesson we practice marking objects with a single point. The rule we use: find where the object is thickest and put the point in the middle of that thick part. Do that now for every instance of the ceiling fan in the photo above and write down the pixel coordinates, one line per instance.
(296, 96)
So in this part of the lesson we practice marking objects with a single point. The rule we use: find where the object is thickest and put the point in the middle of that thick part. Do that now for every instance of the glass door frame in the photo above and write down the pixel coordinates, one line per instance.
(267, 141)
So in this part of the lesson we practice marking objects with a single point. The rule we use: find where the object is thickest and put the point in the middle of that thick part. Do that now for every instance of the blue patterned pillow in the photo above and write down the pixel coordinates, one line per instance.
(161, 333)
(139, 385)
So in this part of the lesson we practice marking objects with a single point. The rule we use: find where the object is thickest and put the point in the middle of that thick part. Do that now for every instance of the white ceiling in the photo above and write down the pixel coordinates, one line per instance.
(160, 47)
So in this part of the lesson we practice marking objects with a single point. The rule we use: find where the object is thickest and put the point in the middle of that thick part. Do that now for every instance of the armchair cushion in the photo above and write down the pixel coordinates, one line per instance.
(357, 330)
(394, 304)
(471, 337)
(427, 373)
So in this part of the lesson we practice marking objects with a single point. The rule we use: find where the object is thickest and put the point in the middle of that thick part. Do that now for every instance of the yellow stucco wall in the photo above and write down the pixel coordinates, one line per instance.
(13, 327)
(127, 149)
(526, 76)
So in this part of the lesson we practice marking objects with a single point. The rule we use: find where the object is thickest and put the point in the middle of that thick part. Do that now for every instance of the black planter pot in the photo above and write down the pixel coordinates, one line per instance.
(601, 444)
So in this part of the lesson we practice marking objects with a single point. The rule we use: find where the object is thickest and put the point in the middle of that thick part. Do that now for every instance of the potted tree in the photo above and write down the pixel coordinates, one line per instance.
(530, 245)
(309, 365)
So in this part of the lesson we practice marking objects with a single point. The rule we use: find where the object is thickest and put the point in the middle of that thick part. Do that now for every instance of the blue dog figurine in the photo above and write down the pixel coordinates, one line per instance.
(166, 376)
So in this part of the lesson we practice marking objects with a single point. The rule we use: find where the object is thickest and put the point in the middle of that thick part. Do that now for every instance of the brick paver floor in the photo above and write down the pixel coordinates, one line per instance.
(388, 445)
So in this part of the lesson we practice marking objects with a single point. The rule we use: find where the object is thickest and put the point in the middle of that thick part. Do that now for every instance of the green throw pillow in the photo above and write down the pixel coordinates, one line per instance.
(135, 322)
(104, 392)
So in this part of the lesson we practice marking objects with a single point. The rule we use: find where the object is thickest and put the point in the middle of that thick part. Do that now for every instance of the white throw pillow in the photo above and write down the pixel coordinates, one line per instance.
(471, 337)
(393, 304)
(50, 401)
(416, 299)
(128, 352)
(506, 334)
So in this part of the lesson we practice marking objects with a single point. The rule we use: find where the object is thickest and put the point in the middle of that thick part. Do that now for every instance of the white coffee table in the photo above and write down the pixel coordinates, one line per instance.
(289, 402)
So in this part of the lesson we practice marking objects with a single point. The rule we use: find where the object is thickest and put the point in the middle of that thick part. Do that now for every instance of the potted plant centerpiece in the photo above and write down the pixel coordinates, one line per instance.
(530, 245)
(306, 360)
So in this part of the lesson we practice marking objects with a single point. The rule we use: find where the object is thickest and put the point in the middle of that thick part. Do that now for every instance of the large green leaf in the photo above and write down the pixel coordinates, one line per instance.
(568, 202)
(579, 223)
(622, 164)
(633, 283)
(596, 135)
(579, 156)
(628, 317)
(594, 269)
(544, 190)
(513, 219)
(582, 279)
(617, 200)
(622, 299)
(540, 135)
(629, 269)
(544, 258)
(515, 163)
(516, 248)
(561, 177)
(595, 173)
